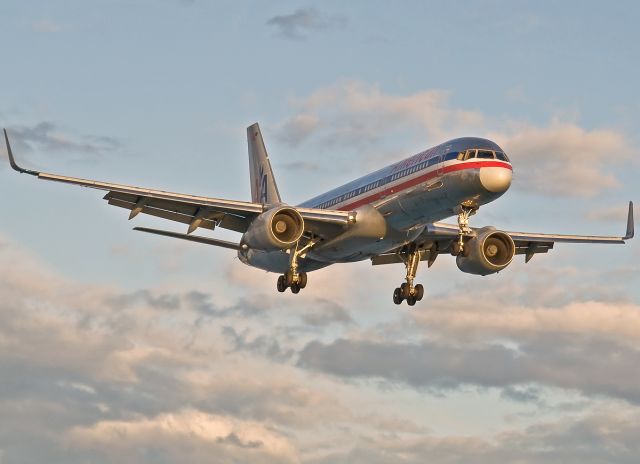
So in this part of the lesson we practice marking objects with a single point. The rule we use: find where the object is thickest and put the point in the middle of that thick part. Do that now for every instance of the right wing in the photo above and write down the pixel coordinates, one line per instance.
(437, 239)
(196, 211)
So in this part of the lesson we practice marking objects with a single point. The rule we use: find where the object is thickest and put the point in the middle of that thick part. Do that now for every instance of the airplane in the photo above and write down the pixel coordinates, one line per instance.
(389, 216)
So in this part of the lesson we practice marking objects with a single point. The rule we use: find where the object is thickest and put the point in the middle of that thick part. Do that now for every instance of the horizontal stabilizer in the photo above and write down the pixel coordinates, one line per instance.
(191, 238)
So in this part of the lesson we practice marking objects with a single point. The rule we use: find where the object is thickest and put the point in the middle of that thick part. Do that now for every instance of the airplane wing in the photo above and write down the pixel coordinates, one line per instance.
(437, 238)
(196, 211)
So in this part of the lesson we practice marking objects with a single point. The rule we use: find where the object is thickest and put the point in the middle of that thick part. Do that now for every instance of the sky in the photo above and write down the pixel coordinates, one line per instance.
(116, 346)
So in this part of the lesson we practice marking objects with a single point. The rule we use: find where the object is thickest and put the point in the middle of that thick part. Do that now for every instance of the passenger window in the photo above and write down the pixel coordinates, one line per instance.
(485, 154)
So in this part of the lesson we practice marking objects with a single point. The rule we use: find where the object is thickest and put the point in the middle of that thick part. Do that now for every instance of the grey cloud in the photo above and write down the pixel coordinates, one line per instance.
(326, 312)
(203, 304)
(587, 364)
(162, 301)
(300, 23)
(305, 166)
(46, 136)
(601, 437)
(525, 394)
(262, 344)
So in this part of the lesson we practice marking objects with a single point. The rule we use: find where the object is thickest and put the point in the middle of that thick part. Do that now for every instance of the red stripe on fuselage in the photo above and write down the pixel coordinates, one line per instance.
(418, 180)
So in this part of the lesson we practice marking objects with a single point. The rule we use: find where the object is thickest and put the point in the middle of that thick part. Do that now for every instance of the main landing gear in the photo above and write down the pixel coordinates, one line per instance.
(294, 279)
(407, 291)
(295, 282)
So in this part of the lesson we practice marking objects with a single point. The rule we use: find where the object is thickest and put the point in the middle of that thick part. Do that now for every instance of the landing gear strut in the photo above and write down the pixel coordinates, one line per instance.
(457, 247)
(294, 279)
(407, 291)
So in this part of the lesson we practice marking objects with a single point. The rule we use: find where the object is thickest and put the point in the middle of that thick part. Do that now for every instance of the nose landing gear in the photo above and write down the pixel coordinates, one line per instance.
(457, 247)
(407, 291)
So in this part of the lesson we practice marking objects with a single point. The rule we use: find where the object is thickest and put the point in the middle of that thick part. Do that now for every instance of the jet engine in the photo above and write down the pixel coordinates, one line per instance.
(488, 252)
(276, 229)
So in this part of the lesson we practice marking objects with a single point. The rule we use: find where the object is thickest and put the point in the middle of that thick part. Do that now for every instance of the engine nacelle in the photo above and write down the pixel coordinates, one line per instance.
(488, 252)
(276, 229)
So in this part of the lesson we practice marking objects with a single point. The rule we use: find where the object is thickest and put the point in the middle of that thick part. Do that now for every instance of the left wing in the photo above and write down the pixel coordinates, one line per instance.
(437, 238)
(196, 211)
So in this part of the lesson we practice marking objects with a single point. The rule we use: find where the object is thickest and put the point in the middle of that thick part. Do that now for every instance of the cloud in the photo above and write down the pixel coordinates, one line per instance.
(95, 373)
(354, 116)
(188, 435)
(591, 365)
(46, 26)
(616, 214)
(604, 436)
(358, 114)
(299, 24)
(326, 312)
(46, 136)
(564, 158)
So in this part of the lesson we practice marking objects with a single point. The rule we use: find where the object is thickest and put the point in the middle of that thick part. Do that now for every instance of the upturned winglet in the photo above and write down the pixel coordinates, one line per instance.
(12, 161)
(630, 225)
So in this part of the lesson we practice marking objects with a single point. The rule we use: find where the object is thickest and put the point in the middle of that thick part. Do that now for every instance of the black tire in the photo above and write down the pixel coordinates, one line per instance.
(302, 281)
(455, 248)
(295, 288)
(397, 296)
(419, 292)
(411, 300)
(282, 285)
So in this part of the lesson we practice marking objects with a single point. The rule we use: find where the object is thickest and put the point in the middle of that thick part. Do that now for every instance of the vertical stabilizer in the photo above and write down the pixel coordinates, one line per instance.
(263, 183)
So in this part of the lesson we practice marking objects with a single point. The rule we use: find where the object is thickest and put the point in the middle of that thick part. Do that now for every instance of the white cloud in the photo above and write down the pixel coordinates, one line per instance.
(186, 436)
(556, 158)
(564, 158)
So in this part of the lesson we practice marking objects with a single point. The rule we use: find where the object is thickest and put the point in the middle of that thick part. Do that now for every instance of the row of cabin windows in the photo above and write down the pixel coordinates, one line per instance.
(390, 178)
(482, 154)
(463, 155)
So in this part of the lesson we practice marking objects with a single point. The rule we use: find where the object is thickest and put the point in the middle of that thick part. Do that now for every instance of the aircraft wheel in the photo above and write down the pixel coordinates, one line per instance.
(282, 284)
(455, 249)
(419, 292)
(303, 280)
(411, 300)
(397, 296)
(295, 288)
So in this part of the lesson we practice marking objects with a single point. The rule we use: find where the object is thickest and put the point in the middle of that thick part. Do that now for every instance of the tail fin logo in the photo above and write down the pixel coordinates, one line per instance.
(262, 186)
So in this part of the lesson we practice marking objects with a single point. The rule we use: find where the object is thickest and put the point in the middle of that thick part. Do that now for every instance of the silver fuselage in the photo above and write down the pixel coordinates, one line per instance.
(395, 204)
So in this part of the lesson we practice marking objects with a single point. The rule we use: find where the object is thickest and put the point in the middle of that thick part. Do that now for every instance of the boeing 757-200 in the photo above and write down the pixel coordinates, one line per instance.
(389, 216)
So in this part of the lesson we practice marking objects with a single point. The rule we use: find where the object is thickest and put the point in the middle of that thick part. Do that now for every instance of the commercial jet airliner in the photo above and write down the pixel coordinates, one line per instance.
(388, 216)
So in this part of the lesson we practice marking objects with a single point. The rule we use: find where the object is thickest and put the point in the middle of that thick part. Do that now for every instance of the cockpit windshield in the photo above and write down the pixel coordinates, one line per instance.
(485, 154)
(502, 157)
(482, 154)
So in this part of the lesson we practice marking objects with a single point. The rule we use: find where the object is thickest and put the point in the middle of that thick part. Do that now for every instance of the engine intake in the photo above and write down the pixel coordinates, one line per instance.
(488, 252)
(277, 229)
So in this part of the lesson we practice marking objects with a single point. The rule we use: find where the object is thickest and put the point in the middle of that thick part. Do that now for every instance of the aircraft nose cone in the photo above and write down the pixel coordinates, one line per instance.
(495, 179)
